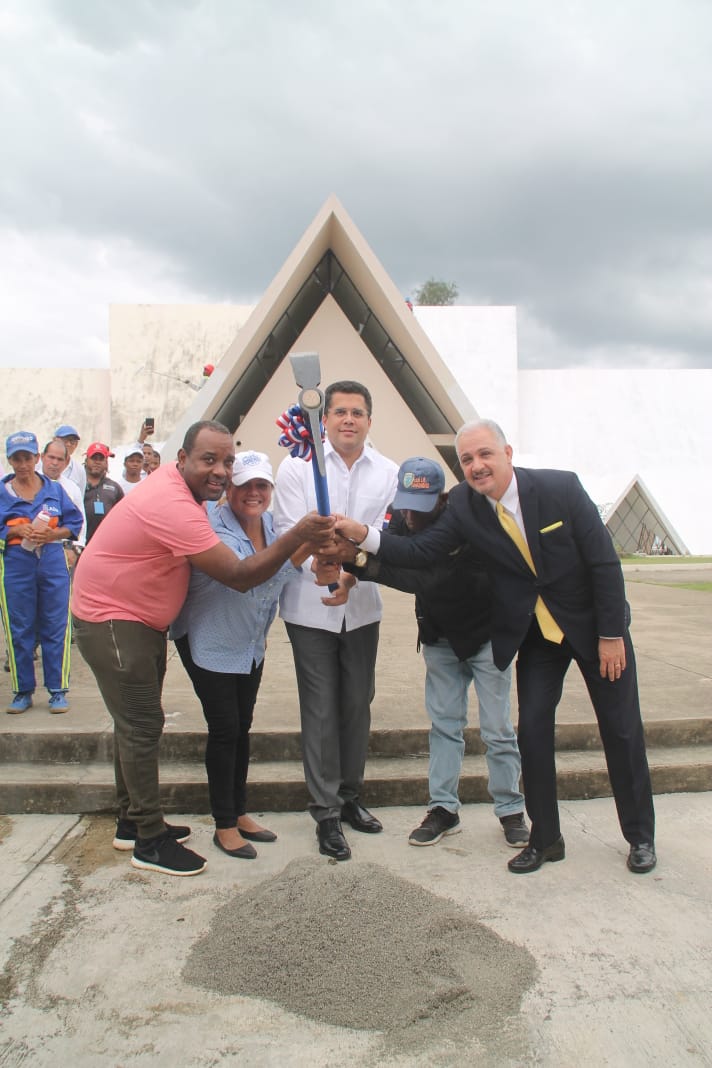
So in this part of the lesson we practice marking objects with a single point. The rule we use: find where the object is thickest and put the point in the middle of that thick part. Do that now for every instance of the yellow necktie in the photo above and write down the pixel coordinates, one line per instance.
(547, 624)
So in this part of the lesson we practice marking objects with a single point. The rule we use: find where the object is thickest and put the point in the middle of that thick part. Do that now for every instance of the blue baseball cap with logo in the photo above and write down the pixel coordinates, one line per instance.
(420, 483)
(21, 441)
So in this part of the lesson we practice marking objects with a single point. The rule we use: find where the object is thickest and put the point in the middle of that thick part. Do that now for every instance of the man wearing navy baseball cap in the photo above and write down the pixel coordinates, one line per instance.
(453, 609)
(420, 483)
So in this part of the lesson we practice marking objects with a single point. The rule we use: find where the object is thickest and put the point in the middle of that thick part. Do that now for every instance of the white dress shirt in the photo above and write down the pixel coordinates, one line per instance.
(77, 473)
(75, 496)
(361, 492)
(510, 502)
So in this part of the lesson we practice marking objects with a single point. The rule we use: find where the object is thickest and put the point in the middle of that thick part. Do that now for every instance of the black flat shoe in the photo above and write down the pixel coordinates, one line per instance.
(531, 858)
(258, 836)
(360, 818)
(246, 852)
(331, 839)
(642, 858)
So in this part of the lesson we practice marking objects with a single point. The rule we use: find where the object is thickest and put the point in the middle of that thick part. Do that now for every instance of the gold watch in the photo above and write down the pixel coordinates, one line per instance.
(361, 558)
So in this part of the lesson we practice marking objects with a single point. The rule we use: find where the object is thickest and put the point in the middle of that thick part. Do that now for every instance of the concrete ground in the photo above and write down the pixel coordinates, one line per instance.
(92, 951)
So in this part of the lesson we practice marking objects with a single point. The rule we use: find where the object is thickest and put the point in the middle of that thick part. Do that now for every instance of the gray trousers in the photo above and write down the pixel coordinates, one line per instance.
(129, 663)
(336, 682)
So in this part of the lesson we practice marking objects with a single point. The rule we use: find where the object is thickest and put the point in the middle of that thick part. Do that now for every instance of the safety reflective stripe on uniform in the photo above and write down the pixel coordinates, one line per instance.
(67, 649)
(6, 626)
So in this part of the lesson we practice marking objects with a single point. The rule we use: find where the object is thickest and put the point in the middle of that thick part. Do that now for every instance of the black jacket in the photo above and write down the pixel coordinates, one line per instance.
(578, 574)
(452, 597)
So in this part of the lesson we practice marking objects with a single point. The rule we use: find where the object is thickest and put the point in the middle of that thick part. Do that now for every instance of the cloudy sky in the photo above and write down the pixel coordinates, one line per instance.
(554, 155)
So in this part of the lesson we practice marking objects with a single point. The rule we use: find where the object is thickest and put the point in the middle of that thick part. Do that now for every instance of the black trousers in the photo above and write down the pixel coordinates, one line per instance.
(228, 703)
(541, 668)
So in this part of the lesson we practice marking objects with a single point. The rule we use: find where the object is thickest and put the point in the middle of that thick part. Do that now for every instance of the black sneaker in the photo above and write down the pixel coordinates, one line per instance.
(435, 826)
(515, 830)
(166, 855)
(127, 833)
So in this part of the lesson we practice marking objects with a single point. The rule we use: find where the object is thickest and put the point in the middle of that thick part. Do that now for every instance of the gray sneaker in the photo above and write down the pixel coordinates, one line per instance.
(438, 823)
(515, 830)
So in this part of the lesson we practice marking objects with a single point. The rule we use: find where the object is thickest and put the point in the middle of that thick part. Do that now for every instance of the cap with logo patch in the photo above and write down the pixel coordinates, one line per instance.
(249, 465)
(100, 448)
(420, 483)
(21, 441)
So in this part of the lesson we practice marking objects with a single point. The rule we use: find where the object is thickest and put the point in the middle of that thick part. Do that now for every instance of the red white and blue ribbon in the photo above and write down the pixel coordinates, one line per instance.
(296, 434)
(297, 437)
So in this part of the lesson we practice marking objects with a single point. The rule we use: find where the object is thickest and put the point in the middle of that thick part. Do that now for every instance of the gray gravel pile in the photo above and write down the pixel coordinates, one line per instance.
(355, 946)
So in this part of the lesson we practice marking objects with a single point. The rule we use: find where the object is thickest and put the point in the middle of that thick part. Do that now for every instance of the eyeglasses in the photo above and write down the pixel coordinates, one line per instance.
(355, 413)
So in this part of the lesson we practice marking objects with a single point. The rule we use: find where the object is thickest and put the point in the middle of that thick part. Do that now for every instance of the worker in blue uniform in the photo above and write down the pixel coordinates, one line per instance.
(36, 515)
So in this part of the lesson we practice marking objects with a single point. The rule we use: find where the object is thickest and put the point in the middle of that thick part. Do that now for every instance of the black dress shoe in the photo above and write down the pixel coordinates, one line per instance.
(258, 836)
(360, 818)
(331, 839)
(531, 858)
(246, 852)
(642, 858)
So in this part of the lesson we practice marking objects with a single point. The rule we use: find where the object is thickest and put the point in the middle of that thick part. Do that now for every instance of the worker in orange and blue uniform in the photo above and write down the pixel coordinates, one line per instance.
(36, 515)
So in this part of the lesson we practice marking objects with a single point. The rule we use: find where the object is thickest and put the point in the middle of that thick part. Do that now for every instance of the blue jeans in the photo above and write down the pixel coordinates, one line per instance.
(447, 681)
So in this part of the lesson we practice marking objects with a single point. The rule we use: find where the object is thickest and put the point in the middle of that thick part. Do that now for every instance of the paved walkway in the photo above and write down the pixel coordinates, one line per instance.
(672, 628)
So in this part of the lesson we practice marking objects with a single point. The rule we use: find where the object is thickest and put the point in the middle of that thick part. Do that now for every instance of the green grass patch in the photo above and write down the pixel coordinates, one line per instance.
(703, 587)
(663, 560)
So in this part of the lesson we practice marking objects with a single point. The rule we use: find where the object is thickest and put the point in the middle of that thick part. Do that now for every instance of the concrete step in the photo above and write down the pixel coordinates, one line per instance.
(278, 786)
(71, 746)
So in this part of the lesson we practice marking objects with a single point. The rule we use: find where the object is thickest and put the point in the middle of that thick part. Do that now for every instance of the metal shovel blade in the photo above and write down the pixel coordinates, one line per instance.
(305, 365)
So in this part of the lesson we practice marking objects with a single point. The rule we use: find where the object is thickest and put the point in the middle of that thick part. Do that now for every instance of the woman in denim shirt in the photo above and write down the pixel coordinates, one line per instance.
(221, 637)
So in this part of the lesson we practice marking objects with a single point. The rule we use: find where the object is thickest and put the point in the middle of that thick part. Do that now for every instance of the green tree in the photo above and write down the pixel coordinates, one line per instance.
(435, 291)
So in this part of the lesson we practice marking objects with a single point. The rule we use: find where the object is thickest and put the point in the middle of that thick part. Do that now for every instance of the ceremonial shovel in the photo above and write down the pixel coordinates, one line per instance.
(307, 375)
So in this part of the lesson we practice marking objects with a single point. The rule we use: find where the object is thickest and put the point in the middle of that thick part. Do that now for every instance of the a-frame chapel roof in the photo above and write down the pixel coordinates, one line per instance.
(332, 259)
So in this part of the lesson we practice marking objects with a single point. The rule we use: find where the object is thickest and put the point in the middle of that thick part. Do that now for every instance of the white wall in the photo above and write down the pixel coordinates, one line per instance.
(618, 423)
(479, 345)
(41, 400)
(158, 352)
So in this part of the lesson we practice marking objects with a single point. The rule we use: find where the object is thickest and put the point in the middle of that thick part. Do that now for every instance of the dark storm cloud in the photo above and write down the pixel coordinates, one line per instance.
(552, 156)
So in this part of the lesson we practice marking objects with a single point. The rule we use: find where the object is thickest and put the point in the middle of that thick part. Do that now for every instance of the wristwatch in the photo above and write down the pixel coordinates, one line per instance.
(361, 558)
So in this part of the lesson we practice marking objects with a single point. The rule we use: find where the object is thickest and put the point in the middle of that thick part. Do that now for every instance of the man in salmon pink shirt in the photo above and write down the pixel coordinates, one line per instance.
(130, 584)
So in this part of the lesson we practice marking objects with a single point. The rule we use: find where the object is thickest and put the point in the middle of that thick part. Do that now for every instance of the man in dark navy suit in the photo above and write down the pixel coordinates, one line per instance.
(558, 596)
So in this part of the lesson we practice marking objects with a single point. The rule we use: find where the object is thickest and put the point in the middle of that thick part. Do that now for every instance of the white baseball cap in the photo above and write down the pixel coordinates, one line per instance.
(249, 465)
